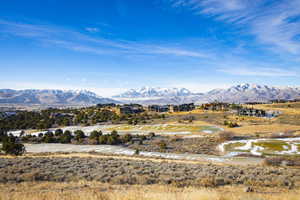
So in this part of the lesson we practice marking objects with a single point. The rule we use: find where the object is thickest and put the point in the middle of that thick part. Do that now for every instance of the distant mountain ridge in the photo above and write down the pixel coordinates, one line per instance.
(252, 93)
(241, 93)
(157, 95)
(154, 92)
(51, 97)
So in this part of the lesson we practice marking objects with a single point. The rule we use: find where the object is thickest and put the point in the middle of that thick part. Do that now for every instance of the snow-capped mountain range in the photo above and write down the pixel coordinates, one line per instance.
(52, 97)
(238, 94)
(146, 92)
(253, 93)
(148, 95)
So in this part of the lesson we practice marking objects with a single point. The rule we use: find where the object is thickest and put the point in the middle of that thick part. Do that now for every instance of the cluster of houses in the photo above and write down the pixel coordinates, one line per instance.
(159, 108)
(130, 109)
(257, 112)
(239, 109)
(219, 106)
(7, 114)
(216, 106)
(172, 108)
(251, 112)
(137, 108)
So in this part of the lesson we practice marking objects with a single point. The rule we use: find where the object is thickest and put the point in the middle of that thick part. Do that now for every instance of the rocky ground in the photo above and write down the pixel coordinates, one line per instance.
(201, 145)
(125, 171)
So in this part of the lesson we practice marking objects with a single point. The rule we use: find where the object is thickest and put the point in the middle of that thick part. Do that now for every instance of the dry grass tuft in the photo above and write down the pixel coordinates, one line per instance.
(96, 191)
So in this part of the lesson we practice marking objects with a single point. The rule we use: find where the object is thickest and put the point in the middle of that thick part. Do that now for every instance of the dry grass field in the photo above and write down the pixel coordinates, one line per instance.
(265, 130)
(287, 121)
(290, 112)
(85, 190)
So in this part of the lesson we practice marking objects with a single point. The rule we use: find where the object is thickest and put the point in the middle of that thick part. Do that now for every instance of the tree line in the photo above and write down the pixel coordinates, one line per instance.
(52, 118)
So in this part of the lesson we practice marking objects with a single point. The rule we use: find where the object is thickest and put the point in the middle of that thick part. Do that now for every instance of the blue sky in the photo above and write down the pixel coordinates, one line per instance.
(110, 46)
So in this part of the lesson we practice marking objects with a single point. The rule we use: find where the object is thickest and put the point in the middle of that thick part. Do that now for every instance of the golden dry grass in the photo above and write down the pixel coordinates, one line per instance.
(196, 111)
(120, 157)
(264, 129)
(263, 126)
(294, 109)
(98, 191)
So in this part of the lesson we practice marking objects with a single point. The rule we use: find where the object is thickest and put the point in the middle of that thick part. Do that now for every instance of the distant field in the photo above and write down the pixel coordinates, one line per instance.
(167, 128)
(264, 130)
(290, 112)
(295, 105)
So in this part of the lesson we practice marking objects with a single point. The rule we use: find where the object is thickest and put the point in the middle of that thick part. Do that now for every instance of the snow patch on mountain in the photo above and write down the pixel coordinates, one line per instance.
(241, 93)
(145, 92)
(51, 97)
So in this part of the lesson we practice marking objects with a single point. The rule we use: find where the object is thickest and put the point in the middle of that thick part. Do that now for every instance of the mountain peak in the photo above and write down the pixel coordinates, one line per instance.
(146, 91)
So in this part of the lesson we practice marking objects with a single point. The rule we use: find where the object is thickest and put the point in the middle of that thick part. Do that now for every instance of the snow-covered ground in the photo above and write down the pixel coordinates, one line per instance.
(290, 146)
(159, 129)
(111, 149)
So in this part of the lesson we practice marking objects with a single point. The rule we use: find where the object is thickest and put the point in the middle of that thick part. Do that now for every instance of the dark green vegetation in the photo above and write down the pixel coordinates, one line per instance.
(79, 137)
(11, 146)
(51, 118)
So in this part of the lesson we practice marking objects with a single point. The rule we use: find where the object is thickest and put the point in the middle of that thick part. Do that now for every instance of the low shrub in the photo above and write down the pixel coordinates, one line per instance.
(137, 152)
(65, 138)
(206, 182)
(95, 134)
(58, 132)
(226, 135)
(126, 138)
(49, 137)
(282, 161)
(151, 134)
(230, 124)
(162, 144)
(103, 139)
(12, 147)
(79, 134)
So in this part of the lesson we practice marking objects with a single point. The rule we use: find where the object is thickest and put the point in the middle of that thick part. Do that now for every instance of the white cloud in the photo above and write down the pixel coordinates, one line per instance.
(77, 41)
(275, 28)
(92, 29)
(273, 23)
(179, 52)
(272, 72)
